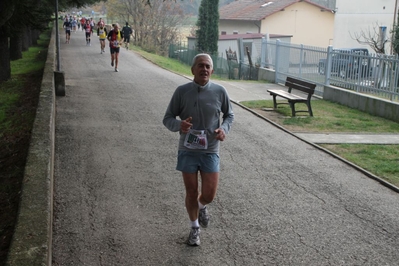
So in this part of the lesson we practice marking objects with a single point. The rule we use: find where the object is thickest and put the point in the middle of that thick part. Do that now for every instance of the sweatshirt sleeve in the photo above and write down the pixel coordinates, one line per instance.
(228, 115)
(169, 119)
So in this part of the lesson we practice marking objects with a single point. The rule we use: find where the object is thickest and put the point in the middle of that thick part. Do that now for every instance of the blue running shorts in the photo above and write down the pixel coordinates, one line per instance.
(192, 162)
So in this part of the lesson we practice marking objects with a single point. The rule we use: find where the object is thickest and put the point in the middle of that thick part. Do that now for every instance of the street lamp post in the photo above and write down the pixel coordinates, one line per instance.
(59, 77)
(395, 12)
(57, 39)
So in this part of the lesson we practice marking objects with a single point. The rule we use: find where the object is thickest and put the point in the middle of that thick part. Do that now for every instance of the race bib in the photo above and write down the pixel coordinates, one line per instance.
(116, 44)
(196, 139)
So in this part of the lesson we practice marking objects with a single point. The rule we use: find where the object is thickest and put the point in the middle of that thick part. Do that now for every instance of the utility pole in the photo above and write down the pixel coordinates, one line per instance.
(57, 39)
(59, 76)
(394, 23)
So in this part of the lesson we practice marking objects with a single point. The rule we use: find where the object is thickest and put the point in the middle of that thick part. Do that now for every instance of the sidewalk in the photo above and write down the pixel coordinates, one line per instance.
(245, 91)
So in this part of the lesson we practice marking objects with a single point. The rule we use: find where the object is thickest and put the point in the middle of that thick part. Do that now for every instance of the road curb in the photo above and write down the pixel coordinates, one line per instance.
(32, 239)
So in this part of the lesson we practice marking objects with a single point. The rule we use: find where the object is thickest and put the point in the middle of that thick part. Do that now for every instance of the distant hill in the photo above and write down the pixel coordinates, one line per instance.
(192, 6)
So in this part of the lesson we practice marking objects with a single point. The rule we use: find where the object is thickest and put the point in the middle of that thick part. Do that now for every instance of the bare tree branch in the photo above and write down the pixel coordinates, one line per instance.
(148, 2)
(372, 38)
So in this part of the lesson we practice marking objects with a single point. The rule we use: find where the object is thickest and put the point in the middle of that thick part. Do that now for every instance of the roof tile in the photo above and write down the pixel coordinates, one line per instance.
(252, 10)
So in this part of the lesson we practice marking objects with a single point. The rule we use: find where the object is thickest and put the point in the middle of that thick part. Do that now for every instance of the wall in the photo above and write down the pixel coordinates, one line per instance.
(305, 22)
(267, 74)
(241, 26)
(355, 16)
(368, 104)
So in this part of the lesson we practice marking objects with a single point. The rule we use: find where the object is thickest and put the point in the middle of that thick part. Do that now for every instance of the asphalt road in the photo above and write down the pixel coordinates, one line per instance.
(120, 201)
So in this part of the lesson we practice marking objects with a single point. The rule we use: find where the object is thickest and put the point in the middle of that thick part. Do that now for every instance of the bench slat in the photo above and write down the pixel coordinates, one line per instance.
(286, 95)
(299, 87)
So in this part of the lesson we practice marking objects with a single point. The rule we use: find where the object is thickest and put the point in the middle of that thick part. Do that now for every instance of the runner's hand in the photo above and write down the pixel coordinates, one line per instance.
(185, 125)
(220, 135)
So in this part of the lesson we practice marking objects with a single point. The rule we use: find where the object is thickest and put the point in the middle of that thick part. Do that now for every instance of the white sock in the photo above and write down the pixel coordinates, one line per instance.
(194, 223)
(200, 205)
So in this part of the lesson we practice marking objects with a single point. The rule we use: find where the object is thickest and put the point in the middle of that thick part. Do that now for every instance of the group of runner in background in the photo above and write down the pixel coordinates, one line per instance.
(116, 36)
(73, 24)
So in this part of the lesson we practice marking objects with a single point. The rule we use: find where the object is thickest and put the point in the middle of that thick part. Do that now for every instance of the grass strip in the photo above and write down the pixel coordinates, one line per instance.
(328, 117)
(19, 97)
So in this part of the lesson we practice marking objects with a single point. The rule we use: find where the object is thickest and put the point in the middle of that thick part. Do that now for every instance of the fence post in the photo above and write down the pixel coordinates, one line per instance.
(328, 65)
(395, 73)
(300, 61)
(276, 70)
(263, 52)
(242, 56)
(391, 79)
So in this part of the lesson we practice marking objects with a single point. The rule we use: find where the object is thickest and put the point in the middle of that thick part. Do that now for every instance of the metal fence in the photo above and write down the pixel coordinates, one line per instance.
(353, 69)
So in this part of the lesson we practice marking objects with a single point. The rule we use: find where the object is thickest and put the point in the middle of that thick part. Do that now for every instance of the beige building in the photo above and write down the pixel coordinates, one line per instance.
(308, 23)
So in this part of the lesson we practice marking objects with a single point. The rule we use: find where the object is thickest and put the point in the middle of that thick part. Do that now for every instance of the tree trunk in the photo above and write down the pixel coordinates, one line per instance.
(5, 67)
(16, 47)
(26, 38)
(35, 36)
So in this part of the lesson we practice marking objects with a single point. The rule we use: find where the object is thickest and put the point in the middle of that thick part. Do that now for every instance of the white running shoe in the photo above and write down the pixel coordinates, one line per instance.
(203, 217)
(193, 238)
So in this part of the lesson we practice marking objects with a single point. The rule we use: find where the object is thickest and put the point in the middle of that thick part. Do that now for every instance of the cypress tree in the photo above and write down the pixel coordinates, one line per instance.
(208, 26)
(213, 30)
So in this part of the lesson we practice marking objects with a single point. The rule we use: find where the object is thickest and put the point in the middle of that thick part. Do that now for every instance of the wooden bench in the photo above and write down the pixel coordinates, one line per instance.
(293, 83)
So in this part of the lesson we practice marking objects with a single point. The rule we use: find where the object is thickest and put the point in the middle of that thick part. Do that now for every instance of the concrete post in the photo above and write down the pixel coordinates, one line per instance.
(59, 82)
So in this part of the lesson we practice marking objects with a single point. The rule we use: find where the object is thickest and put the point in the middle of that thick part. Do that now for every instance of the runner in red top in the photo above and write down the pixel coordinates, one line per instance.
(115, 38)
(88, 31)
(101, 23)
(83, 22)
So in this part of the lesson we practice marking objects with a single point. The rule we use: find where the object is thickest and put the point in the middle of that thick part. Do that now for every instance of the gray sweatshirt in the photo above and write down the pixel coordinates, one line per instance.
(205, 105)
